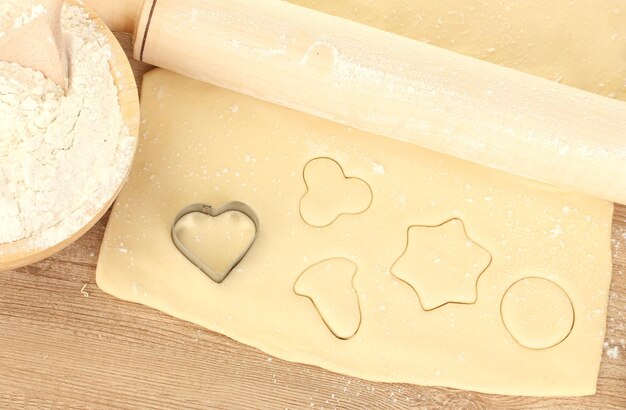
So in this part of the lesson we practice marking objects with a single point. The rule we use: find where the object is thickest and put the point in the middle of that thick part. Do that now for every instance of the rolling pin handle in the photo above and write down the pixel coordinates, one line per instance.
(119, 15)
(144, 19)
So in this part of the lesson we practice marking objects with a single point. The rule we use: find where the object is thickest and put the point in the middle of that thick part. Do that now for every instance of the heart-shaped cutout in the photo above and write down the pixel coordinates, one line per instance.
(329, 284)
(215, 240)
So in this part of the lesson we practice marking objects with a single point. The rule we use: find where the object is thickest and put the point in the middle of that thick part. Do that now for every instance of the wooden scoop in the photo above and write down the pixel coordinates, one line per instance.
(32, 37)
(386, 84)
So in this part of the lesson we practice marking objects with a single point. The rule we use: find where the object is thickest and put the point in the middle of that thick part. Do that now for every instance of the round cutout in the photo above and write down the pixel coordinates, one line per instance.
(537, 313)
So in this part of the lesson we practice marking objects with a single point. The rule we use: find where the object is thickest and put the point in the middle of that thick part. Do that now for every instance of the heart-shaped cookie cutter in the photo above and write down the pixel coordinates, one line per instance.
(209, 210)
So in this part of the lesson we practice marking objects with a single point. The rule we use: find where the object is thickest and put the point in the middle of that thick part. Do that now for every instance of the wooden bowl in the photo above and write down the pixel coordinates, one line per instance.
(26, 251)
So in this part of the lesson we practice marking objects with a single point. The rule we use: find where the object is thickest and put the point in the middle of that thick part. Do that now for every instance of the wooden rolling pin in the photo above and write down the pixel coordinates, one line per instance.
(386, 84)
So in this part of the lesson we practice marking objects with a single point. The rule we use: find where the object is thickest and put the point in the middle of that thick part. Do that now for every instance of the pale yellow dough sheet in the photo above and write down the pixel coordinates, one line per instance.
(375, 258)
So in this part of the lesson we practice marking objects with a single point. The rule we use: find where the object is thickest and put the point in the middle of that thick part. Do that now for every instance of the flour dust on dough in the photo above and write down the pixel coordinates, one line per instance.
(257, 155)
(196, 149)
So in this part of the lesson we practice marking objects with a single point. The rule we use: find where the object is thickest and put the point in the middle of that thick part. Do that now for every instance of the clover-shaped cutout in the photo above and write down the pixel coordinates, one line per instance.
(330, 193)
(442, 264)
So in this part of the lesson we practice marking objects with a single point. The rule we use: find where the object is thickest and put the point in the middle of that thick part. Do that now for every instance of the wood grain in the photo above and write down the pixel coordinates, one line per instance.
(63, 348)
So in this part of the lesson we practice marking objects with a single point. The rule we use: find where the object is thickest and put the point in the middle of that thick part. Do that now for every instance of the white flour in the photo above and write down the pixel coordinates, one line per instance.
(61, 157)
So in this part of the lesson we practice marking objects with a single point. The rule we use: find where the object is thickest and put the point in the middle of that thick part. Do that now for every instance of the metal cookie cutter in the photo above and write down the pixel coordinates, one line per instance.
(217, 277)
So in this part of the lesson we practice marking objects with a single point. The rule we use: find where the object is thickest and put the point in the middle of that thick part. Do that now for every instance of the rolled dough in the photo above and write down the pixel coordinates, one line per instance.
(547, 249)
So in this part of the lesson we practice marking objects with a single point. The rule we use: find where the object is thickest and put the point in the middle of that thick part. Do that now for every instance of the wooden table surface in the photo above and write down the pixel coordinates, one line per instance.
(66, 344)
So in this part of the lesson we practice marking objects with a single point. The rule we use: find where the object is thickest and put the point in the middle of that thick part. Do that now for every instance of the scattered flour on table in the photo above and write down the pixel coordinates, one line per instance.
(614, 345)
(612, 351)
(62, 157)
(83, 291)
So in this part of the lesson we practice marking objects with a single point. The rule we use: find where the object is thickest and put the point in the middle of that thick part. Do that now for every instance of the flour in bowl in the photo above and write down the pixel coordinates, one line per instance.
(62, 156)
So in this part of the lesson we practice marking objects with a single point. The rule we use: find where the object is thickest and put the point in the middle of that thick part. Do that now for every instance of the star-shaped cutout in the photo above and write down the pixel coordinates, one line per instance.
(442, 264)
